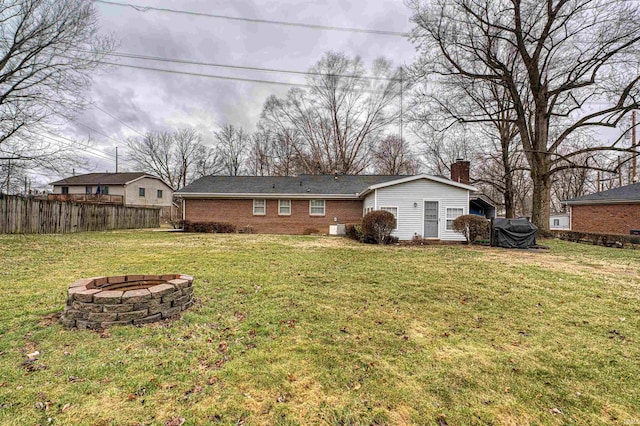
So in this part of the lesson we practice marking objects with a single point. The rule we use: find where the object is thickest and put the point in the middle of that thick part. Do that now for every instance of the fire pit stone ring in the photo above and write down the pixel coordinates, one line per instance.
(101, 302)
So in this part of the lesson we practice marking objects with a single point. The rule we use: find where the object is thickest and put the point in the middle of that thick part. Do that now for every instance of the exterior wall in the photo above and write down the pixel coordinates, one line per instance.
(80, 189)
(605, 218)
(562, 218)
(151, 186)
(239, 212)
(411, 219)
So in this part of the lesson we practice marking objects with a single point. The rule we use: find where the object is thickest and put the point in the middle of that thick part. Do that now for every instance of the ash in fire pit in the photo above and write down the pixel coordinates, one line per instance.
(101, 302)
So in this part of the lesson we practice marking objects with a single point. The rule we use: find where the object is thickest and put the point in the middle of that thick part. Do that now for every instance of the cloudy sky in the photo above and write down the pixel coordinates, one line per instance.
(130, 101)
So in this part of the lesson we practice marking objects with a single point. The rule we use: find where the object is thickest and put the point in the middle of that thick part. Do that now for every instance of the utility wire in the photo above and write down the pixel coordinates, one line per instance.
(140, 8)
(117, 119)
(238, 67)
(99, 132)
(249, 80)
(89, 150)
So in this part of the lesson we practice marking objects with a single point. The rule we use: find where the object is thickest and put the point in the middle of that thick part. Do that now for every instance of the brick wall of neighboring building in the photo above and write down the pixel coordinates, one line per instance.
(240, 214)
(605, 218)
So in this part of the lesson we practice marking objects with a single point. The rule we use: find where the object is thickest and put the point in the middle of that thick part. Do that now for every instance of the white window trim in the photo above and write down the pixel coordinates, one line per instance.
(324, 208)
(397, 215)
(447, 219)
(264, 206)
(280, 208)
(367, 210)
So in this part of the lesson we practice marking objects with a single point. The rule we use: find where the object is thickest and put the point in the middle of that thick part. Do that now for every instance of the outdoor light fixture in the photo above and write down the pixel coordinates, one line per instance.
(415, 205)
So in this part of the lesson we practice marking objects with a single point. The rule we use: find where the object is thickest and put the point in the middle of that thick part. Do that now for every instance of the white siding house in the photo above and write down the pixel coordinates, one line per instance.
(559, 221)
(424, 205)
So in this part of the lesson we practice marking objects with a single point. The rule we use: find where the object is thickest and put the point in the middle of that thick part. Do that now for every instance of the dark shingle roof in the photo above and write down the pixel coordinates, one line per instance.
(101, 178)
(304, 184)
(627, 193)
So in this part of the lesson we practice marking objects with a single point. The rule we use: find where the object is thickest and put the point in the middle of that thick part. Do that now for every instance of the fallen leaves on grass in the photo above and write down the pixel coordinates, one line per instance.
(175, 421)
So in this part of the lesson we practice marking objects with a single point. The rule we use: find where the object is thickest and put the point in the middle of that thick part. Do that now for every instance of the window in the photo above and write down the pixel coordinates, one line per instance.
(159, 193)
(556, 222)
(368, 210)
(452, 214)
(316, 207)
(88, 190)
(393, 211)
(141, 192)
(103, 190)
(284, 207)
(65, 189)
(260, 207)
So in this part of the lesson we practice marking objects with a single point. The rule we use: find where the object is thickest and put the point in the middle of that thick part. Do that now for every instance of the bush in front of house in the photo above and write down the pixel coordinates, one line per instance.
(472, 227)
(209, 227)
(378, 226)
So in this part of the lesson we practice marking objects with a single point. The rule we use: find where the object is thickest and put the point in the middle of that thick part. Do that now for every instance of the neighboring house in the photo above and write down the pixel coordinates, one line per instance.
(559, 221)
(423, 205)
(616, 211)
(136, 189)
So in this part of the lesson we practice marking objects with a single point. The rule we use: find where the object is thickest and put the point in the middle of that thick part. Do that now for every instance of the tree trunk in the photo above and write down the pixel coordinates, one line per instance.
(541, 192)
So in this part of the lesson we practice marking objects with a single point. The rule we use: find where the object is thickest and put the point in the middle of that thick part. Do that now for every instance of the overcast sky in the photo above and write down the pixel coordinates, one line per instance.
(155, 101)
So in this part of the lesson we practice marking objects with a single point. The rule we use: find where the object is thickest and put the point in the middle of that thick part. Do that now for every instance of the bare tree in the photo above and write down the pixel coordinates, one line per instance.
(232, 143)
(178, 157)
(259, 161)
(333, 125)
(48, 48)
(393, 156)
(567, 66)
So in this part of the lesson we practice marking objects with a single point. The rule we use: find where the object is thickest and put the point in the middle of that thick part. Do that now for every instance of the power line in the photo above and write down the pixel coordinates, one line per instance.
(240, 67)
(117, 119)
(89, 150)
(249, 80)
(99, 132)
(140, 8)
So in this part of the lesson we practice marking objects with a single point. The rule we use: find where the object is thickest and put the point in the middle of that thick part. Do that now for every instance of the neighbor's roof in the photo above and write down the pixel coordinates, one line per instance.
(623, 194)
(303, 186)
(104, 179)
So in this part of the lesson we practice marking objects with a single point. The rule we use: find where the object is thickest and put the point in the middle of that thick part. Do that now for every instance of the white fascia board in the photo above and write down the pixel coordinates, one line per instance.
(268, 196)
(418, 177)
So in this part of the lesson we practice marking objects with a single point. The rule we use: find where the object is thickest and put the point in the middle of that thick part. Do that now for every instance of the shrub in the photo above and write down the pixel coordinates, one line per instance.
(472, 227)
(378, 226)
(209, 227)
(353, 231)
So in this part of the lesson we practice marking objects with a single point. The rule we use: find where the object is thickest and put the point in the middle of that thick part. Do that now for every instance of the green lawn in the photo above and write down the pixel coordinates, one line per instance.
(312, 330)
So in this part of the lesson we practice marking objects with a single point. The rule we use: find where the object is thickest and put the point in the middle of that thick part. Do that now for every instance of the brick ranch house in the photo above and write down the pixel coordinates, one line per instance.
(615, 211)
(131, 189)
(423, 205)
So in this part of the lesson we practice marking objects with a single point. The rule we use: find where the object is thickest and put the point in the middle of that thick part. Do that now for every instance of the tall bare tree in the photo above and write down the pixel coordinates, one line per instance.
(567, 66)
(48, 49)
(333, 125)
(394, 156)
(232, 143)
(177, 157)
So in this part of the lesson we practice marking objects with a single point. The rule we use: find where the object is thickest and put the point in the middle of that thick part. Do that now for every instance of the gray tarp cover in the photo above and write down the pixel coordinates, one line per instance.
(514, 233)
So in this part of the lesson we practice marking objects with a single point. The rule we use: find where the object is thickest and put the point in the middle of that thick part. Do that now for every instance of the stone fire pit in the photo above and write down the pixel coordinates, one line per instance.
(101, 302)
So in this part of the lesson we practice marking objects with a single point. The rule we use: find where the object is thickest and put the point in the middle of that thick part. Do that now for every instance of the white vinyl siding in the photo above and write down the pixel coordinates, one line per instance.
(284, 207)
(316, 207)
(259, 207)
(409, 198)
(452, 214)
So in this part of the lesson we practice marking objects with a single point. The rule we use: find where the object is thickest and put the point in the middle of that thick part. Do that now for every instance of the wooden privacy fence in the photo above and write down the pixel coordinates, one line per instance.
(19, 215)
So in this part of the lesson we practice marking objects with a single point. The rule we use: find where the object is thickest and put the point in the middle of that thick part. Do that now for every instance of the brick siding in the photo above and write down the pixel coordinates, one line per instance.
(240, 214)
(605, 218)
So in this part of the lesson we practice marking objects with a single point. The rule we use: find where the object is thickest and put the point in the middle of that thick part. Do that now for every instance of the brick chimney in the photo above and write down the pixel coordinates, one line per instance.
(460, 171)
